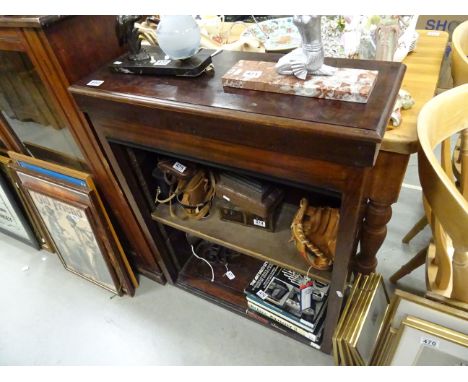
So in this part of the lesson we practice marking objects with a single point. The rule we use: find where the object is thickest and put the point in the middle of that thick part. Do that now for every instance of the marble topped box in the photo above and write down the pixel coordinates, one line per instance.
(347, 84)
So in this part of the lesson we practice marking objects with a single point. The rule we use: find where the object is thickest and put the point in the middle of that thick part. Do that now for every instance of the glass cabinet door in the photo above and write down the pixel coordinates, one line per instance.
(26, 107)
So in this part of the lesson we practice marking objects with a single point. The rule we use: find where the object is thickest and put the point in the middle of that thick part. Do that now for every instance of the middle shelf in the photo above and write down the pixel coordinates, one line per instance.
(274, 247)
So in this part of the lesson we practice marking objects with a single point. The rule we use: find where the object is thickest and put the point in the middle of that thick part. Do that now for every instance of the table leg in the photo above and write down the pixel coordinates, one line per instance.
(383, 189)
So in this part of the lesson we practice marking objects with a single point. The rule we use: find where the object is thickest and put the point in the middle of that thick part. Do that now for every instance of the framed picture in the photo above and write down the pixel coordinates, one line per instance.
(363, 339)
(423, 343)
(405, 304)
(72, 212)
(40, 232)
(13, 221)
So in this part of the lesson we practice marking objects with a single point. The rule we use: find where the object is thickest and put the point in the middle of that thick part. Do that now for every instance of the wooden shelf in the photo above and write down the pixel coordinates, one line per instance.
(195, 277)
(274, 247)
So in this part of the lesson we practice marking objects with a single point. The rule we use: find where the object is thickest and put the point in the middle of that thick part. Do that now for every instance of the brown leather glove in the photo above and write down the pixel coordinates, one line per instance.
(314, 231)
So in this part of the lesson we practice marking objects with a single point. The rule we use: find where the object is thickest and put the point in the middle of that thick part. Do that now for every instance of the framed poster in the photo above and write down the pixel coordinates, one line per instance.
(79, 227)
(12, 220)
(40, 232)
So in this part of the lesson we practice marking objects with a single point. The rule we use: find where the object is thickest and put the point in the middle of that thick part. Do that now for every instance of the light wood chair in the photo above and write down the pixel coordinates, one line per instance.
(446, 206)
(459, 66)
(460, 54)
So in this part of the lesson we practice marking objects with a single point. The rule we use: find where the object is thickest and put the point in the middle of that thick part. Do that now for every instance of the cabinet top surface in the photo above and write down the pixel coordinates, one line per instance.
(27, 21)
(205, 94)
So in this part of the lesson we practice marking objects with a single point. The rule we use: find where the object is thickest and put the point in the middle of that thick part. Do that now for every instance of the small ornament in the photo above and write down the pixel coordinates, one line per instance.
(309, 57)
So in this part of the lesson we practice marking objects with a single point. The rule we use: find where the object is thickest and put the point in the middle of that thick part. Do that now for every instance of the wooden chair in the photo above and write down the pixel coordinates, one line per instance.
(446, 206)
(460, 54)
(460, 76)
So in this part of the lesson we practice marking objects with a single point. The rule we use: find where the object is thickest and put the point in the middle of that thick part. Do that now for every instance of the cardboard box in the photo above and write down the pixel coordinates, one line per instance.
(440, 23)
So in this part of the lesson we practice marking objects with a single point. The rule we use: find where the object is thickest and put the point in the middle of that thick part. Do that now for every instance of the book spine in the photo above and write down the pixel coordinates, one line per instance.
(266, 321)
(287, 316)
(282, 321)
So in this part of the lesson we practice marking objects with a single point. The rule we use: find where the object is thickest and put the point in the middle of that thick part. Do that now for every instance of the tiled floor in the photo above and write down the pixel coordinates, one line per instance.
(50, 317)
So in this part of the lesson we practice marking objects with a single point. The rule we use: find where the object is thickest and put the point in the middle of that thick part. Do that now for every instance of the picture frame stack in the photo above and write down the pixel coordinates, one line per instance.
(410, 330)
(355, 337)
(74, 217)
(419, 331)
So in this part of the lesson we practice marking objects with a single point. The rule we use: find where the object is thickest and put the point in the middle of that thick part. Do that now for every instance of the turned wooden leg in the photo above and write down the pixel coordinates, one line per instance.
(383, 189)
(418, 227)
(418, 260)
(374, 231)
(460, 275)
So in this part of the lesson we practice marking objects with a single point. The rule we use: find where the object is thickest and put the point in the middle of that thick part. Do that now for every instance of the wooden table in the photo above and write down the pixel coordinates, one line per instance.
(385, 180)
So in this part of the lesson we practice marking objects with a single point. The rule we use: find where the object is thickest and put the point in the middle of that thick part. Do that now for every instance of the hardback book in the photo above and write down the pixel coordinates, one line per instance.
(310, 327)
(266, 321)
(279, 291)
(311, 335)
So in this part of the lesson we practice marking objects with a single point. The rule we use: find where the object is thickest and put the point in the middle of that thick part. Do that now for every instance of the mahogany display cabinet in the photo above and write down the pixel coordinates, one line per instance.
(40, 56)
(322, 149)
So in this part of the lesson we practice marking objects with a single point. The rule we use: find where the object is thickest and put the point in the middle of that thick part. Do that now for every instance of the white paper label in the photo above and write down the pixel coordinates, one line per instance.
(429, 342)
(95, 83)
(162, 62)
(306, 298)
(179, 167)
(117, 62)
(250, 74)
(225, 197)
(433, 33)
(262, 294)
(259, 222)
(230, 275)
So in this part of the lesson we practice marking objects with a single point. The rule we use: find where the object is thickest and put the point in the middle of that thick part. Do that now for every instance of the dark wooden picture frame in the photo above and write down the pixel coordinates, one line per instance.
(73, 214)
(13, 219)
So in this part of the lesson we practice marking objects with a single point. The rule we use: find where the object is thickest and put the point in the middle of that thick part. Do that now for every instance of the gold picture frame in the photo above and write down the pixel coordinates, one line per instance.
(360, 325)
(423, 343)
(405, 304)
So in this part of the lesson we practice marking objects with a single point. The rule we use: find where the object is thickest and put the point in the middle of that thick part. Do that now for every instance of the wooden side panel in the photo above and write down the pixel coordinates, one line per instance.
(83, 43)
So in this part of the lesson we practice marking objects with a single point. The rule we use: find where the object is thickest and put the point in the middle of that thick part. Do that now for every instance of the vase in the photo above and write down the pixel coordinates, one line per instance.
(178, 36)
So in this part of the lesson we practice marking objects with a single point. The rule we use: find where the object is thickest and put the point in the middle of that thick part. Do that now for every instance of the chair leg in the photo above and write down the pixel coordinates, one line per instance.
(418, 227)
(418, 260)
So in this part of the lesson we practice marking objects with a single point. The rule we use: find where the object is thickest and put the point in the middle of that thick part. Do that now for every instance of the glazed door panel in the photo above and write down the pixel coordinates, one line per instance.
(27, 110)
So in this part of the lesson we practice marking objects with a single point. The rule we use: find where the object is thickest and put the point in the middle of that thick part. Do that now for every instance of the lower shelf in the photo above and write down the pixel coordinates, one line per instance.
(275, 247)
(195, 278)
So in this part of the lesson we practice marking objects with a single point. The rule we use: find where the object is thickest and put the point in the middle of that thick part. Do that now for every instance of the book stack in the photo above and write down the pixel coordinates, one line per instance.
(288, 301)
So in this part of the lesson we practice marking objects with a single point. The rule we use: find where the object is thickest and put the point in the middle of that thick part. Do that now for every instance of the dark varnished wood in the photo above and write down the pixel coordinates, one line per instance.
(357, 128)
(10, 39)
(62, 49)
(311, 142)
(81, 56)
(384, 184)
(39, 21)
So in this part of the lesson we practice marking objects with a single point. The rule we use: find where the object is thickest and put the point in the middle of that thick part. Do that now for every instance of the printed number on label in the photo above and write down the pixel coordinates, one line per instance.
(230, 275)
(429, 342)
(262, 294)
(433, 33)
(252, 74)
(259, 222)
(179, 167)
(95, 83)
